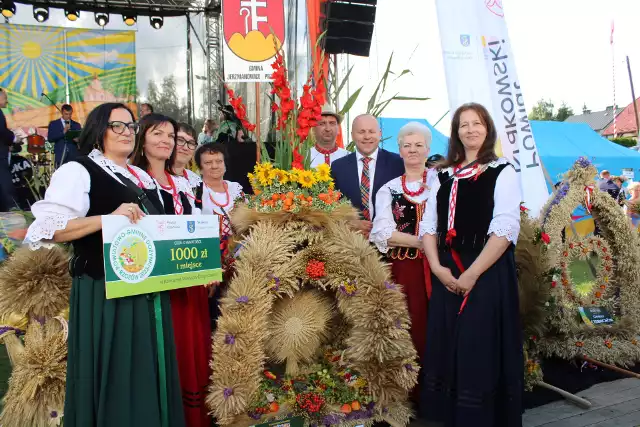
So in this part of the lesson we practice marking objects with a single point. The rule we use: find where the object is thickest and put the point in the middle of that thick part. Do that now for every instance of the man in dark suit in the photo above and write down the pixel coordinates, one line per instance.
(359, 176)
(7, 190)
(65, 150)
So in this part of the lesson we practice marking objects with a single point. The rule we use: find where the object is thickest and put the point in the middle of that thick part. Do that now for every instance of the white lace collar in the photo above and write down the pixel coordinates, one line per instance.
(235, 190)
(182, 185)
(98, 157)
(194, 178)
(492, 164)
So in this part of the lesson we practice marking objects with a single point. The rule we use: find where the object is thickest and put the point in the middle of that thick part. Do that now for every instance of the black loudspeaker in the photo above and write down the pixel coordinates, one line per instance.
(348, 26)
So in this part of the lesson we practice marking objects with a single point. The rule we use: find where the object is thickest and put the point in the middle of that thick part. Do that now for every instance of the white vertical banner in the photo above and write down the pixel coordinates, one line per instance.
(479, 67)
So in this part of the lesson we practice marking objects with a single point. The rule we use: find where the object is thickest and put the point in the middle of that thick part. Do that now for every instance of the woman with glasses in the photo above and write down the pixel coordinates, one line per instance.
(186, 148)
(156, 152)
(112, 365)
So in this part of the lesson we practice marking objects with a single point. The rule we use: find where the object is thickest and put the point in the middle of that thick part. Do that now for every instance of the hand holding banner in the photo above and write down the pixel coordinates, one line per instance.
(159, 253)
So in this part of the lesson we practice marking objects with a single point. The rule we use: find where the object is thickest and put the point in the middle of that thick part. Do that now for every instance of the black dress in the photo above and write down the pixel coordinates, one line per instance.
(473, 370)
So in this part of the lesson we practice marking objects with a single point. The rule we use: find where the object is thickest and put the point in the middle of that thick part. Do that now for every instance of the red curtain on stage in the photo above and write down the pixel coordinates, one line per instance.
(313, 19)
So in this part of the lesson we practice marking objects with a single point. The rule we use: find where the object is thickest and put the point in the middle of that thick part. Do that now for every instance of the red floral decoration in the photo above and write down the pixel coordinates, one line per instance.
(545, 238)
(310, 402)
(315, 269)
(240, 110)
(282, 90)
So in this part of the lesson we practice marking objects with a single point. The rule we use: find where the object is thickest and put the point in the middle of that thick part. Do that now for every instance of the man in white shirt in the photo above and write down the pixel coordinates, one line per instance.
(326, 133)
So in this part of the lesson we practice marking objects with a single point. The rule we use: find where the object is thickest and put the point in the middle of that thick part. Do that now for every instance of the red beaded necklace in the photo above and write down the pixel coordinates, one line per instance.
(327, 153)
(419, 191)
(226, 192)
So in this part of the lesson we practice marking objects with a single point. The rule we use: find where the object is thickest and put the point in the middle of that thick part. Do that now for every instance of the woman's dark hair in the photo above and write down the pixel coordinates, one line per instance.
(149, 123)
(211, 148)
(96, 127)
(455, 152)
(188, 129)
(229, 113)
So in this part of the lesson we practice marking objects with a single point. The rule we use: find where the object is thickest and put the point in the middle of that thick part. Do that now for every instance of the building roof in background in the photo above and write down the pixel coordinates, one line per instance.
(597, 120)
(559, 145)
(625, 121)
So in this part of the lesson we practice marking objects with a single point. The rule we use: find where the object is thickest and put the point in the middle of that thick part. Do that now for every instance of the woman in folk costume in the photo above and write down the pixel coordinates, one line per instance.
(400, 206)
(216, 196)
(113, 377)
(156, 152)
(185, 149)
(473, 364)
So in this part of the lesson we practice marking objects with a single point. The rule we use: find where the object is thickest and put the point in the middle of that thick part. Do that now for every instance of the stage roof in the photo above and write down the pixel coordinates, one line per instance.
(140, 7)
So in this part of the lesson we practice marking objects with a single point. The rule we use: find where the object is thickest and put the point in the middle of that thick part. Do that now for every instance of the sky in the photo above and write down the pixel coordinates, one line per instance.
(561, 50)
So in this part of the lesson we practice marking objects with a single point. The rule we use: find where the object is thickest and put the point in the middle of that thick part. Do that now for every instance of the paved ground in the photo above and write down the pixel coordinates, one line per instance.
(614, 404)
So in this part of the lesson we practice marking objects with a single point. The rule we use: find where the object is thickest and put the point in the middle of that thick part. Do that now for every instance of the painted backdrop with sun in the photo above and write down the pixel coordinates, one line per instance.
(90, 66)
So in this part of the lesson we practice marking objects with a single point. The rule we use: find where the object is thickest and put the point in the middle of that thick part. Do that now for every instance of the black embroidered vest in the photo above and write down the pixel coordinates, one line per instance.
(474, 209)
(169, 208)
(105, 196)
(407, 216)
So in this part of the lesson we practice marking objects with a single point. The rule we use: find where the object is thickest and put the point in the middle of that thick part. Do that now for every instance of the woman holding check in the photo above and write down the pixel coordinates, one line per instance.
(113, 378)
(473, 369)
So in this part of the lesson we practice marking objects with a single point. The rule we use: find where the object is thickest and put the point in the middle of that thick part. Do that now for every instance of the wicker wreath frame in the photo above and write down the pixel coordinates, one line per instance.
(567, 337)
(280, 245)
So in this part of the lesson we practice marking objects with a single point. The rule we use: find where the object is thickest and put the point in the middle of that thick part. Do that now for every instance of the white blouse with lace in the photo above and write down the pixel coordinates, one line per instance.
(182, 186)
(384, 223)
(507, 197)
(67, 197)
(236, 194)
(193, 178)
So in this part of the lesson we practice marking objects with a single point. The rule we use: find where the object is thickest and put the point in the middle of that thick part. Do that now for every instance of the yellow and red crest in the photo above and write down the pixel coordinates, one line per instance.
(254, 29)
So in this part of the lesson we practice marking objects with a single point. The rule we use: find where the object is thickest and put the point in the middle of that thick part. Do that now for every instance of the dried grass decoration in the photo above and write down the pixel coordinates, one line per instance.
(35, 396)
(616, 283)
(11, 326)
(297, 327)
(35, 283)
(284, 262)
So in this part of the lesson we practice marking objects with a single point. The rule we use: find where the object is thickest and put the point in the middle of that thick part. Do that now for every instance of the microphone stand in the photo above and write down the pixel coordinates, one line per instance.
(51, 101)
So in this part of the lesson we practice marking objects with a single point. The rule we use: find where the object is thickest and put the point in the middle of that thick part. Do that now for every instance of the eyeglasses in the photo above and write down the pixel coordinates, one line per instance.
(189, 143)
(119, 127)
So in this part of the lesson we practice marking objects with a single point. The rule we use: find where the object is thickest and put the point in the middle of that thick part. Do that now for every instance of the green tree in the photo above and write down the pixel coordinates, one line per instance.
(165, 99)
(545, 110)
(563, 113)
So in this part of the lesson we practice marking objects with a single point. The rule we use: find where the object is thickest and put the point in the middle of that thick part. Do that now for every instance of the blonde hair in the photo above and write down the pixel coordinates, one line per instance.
(633, 186)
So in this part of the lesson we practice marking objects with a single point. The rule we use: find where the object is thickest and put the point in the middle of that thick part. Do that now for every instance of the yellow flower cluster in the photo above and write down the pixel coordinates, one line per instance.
(265, 175)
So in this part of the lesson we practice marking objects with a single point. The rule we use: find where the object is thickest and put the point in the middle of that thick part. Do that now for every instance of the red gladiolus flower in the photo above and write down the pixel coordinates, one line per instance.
(545, 238)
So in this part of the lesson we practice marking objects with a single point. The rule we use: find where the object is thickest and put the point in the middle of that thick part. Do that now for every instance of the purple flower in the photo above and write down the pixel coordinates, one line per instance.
(227, 392)
(331, 419)
(243, 299)
(370, 406)
(229, 339)
(53, 414)
(409, 367)
(583, 162)
(398, 324)
(255, 415)
(390, 285)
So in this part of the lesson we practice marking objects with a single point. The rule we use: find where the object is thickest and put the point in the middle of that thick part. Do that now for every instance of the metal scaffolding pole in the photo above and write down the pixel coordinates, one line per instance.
(213, 13)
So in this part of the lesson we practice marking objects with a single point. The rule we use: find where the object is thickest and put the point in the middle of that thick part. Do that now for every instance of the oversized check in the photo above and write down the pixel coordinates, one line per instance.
(159, 253)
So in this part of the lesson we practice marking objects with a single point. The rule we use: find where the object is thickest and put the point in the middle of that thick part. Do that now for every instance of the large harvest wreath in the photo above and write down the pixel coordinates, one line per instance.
(306, 280)
(616, 282)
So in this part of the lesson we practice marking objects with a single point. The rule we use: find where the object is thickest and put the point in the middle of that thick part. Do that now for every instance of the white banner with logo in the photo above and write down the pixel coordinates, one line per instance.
(479, 67)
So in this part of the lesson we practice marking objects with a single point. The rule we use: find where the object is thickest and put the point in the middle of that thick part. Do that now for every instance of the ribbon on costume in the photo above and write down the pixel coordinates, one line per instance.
(588, 197)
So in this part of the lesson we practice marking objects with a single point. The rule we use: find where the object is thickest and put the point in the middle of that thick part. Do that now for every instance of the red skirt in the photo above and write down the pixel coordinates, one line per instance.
(415, 277)
(192, 332)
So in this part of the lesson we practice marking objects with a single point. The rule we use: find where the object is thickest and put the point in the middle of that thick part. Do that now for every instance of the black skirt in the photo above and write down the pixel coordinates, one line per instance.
(473, 372)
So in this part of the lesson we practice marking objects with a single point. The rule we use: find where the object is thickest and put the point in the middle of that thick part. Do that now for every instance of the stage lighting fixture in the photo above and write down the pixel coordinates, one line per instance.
(102, 19)
(72, 13)
(40, 13)
(130, 19)
(156, 21)
(8, 8)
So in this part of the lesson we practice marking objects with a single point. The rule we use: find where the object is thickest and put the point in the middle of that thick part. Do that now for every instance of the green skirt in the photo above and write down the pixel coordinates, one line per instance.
(112, 366)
